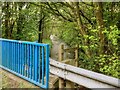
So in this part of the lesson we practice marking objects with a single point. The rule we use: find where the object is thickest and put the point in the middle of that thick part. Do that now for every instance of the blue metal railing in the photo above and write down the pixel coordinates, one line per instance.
(28, 60)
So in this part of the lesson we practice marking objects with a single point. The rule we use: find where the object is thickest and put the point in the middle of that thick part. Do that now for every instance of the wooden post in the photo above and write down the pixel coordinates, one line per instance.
(76, 56)
(77, 64)
(69, 84)
(61, 53)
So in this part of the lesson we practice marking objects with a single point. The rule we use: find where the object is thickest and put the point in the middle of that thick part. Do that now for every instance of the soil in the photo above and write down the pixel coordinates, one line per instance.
(11, 81)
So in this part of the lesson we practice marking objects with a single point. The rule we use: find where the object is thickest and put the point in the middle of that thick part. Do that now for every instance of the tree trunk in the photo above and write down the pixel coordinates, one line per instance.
(81, 28)
(11, 28)
(100, 22)
(7, 16)
(9, 23)
(20, 21)
(41, 23)
(40, 34)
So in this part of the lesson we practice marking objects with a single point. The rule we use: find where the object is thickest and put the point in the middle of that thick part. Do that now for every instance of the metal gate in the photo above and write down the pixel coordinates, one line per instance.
(28, 60)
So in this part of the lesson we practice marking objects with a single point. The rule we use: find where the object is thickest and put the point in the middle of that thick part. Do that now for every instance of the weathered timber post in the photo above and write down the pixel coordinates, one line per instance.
(76, 56)
(77, 64)
(61, 55)
(65, 83)
(70, 84)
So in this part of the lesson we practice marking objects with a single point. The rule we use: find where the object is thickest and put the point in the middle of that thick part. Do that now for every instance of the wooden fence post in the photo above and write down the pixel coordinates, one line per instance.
(70, 84)
(61, 55)
(76, 56)
(62, 83)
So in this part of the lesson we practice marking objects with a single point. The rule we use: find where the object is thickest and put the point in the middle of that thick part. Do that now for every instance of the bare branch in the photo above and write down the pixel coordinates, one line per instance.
(55, 11)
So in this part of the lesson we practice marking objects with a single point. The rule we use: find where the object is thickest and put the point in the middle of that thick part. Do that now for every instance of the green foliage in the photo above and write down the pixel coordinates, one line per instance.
(68, 33)
(113, 35)
(47, 41)
(108, 65)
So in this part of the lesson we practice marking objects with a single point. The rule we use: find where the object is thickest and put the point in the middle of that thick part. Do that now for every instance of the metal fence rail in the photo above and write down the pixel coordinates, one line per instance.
(28, 60)
(83, 77)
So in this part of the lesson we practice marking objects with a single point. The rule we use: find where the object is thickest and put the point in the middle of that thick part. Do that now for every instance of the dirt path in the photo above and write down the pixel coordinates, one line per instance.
(11, 81)
(55, 46)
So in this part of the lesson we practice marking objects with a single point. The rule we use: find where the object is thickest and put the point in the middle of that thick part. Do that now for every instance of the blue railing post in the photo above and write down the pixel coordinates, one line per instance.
(38, 64)
(47, 66)
(22, 59)
(43, 65)
(30, 62)
(1, 53)
(13, 56)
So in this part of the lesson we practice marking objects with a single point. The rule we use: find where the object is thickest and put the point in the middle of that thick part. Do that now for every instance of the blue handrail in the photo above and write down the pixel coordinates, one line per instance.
(29, 60)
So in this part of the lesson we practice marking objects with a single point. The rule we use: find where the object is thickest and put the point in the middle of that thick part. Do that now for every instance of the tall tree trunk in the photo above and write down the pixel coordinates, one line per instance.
(12, 21)
(20, 21)
(40, 34)
(7, 16)
(11, 28)
(41, 23)
(9, 23)
(100, 22)
(81, 28)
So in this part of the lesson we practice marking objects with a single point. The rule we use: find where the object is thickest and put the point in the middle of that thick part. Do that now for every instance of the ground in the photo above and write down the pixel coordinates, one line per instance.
(11, 81)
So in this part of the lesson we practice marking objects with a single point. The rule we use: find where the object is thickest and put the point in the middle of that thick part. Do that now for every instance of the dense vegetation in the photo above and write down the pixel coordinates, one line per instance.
(95, 26)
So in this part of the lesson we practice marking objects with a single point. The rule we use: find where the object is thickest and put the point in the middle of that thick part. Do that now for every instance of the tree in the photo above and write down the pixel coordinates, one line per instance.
(99, 19)
(8, 20)
(20, 19)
